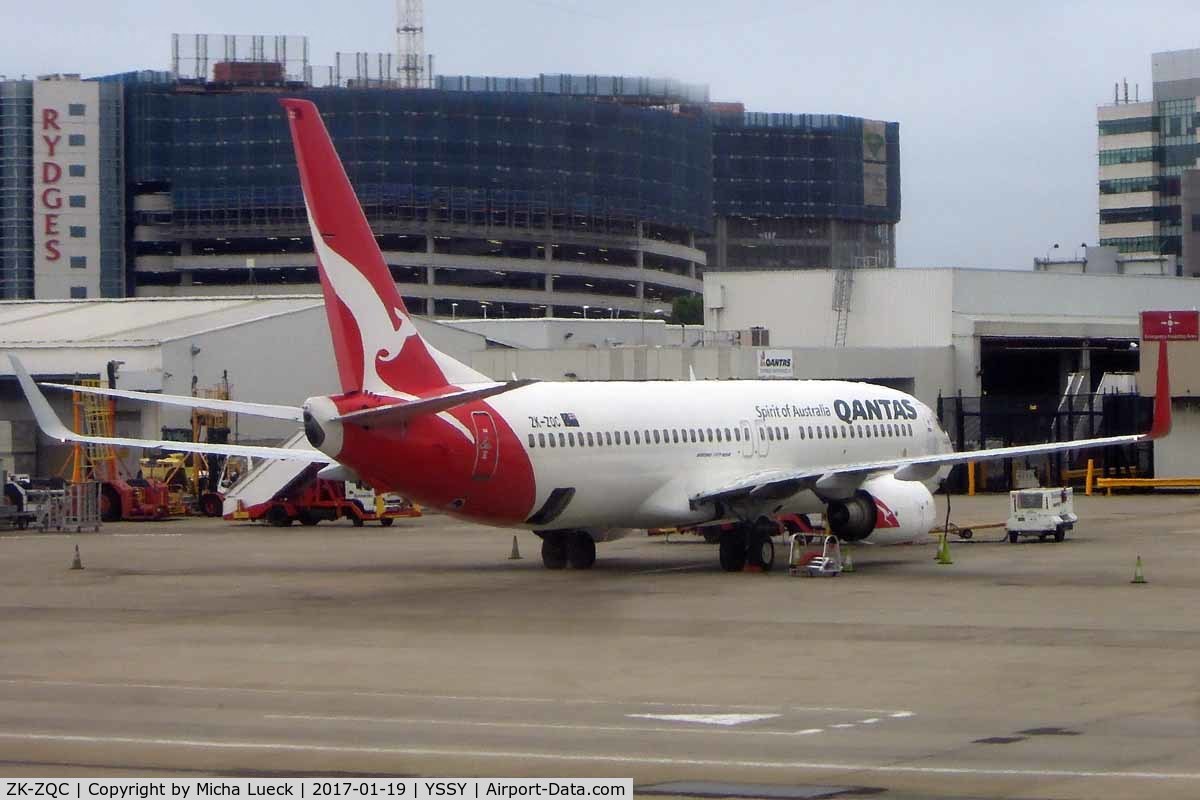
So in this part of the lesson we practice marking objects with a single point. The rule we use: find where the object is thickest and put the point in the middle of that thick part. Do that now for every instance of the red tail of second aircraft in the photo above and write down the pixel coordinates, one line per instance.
(375, 342)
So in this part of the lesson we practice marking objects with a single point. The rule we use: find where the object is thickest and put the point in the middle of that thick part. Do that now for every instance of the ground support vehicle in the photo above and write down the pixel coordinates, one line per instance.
(1042, 513)
(310, 500)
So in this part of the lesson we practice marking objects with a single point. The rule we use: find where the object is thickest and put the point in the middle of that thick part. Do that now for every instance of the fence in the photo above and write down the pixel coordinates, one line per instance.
(976, 423)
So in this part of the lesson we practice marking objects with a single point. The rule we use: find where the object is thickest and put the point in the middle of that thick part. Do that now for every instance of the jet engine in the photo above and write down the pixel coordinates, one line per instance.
(321, 427)
(887, 510)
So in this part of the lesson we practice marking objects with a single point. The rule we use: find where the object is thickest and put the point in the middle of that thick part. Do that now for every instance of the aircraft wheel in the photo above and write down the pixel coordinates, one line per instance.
(211, 505)
(110, 504)
(278, 517)
(733, 551)
(581, 550)
(761, 552)
(554, 550)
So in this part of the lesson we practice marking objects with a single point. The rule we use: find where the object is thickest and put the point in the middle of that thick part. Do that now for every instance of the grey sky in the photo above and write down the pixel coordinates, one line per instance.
(996, 102)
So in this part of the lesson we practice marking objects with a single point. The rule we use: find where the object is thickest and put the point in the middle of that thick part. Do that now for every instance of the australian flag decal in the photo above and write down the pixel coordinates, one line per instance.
(570, 420)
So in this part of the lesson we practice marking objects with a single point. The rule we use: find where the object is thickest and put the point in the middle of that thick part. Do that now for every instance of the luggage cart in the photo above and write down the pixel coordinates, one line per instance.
(77, 509)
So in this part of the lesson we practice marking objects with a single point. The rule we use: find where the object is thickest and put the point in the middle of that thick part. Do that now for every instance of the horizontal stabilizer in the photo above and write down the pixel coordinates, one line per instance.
(233, 406)
(53, 427)
(384, 416)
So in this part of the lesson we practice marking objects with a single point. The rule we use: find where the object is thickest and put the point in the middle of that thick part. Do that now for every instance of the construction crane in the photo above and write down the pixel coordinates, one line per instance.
(410, 43)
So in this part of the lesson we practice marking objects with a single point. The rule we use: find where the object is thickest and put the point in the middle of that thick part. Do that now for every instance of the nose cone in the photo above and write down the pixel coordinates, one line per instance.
(321, 427)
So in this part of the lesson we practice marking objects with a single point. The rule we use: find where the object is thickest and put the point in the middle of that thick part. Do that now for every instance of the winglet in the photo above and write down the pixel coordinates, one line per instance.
(1161, 425)
(47, 420)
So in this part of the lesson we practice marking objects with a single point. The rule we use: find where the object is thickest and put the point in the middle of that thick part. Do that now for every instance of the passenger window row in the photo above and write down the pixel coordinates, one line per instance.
(772, 433)
(650, 436)
(885, 430)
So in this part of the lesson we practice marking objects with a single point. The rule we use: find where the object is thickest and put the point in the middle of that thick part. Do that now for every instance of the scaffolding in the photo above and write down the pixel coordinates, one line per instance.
(195, 55)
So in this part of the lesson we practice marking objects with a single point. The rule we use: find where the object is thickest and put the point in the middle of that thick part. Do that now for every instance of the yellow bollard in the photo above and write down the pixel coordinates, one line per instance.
(1091, 477)
(970, 479)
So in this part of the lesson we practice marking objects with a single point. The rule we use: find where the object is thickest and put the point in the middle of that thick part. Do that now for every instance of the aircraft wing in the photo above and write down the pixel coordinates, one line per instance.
(49, 422)
(781, 482)
(235, 406)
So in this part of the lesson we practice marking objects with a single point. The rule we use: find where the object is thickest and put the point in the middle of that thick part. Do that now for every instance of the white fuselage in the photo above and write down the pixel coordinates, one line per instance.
(677, 439)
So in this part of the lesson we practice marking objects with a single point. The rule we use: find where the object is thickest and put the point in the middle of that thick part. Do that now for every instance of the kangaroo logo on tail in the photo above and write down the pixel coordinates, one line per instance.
(376, 343)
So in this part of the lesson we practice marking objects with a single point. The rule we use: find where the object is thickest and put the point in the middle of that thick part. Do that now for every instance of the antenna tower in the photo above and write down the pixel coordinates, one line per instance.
(410, 43)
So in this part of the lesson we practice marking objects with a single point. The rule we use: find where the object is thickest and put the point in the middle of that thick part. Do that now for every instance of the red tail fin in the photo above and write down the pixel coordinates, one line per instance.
(375, 342)
(1161, 425)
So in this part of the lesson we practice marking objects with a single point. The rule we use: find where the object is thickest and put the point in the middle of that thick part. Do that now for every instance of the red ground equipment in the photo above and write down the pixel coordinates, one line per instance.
(309, 500)
(121, 497)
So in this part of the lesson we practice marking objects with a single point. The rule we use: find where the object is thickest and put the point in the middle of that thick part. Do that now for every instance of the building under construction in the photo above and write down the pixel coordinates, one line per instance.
(554, 194)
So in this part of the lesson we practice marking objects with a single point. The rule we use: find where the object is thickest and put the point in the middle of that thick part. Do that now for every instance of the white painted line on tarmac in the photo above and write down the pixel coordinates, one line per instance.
(534, 725)
(456, 698)
(684, 568)
(212, 744)
(707, 719)
(891, 712)
(843, 725)
(870, 721)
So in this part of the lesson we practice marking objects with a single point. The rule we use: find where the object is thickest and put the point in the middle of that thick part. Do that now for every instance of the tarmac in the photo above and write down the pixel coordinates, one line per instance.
(196, 647)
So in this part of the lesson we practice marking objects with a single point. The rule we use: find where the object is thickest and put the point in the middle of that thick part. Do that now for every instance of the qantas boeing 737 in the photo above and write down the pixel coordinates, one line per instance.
(585, 462)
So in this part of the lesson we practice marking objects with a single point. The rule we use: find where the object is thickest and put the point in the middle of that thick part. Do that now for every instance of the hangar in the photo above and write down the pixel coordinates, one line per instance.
(271, 349)
(941, 333)
(990, 335)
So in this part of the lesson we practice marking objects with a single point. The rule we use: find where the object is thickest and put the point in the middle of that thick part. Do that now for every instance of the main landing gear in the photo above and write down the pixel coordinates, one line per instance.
(562, 548)
(749, 543)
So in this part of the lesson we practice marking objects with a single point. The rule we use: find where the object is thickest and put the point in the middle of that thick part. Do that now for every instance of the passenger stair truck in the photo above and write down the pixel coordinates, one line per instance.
(281, 492)
(267, 479)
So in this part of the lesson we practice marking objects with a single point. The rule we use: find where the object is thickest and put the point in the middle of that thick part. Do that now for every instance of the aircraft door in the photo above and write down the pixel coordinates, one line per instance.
(487, 446)
(762, 444)
(747, 438)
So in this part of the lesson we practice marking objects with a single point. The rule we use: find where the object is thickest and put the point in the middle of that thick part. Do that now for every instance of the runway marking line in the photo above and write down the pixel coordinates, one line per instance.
(595, 758)
(533, 725)
(895, 714)
(568, 701)
(708, 719)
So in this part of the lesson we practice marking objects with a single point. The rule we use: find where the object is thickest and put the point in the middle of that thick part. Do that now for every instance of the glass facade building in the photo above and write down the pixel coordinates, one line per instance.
(16, 192)
(1149, 152)
(20, 137)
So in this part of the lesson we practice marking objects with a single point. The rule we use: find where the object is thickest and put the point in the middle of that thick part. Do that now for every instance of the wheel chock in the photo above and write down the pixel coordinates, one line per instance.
(77, 563)
(515, 555)
(1138, 575)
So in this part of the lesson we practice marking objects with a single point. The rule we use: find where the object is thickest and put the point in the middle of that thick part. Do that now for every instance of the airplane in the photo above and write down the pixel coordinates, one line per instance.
(584, 462)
